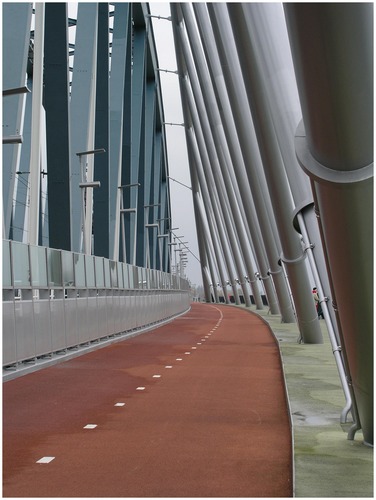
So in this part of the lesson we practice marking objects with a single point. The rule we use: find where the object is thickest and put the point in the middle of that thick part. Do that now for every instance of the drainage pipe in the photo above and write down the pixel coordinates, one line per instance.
(293, 256)
(335, 85)
(248, 143)
(356, 425)
(336, 348)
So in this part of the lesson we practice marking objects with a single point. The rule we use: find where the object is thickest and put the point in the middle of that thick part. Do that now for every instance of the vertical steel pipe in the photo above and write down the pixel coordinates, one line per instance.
(205, 257)
(268, 22)
(16, 23)
(293, 256)
(205, 140)
(36, 127)
(248, 143)
(335, 148)
(194, 146)
(217, 149)
(241, 181)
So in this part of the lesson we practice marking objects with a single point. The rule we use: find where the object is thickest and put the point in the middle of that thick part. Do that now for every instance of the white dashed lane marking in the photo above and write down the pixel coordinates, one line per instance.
(45, 460)
(179, 359)
(156, 376)
(168, 366)
(90, 426)
(119, 404)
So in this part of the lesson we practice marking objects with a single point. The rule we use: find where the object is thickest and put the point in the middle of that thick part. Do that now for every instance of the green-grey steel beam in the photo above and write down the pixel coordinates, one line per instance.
(16, 21)
(101, 220)
(138, 123)
(37, 130)
(155, 193)
(160, 167)
(335, 148)
(214, 64)
(165, 220)
(82, 112)
(127, 147)
(17, 227)
(56, 104)
(121, 40)
(293, 256)
(150, 209)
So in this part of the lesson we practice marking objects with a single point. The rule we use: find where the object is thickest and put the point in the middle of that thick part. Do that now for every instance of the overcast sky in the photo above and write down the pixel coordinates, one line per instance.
(181, 197)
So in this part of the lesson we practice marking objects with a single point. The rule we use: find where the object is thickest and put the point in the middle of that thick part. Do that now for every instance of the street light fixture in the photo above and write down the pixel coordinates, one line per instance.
(128, 211)
(84, 185)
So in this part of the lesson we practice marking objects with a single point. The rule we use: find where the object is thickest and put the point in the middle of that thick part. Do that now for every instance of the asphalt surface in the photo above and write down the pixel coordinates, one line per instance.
(194, 408)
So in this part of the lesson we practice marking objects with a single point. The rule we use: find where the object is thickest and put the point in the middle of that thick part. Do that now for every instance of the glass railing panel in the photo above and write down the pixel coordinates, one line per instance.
(54, 268)
(79, 270)
(68, 268)
(107, 275)
(114, 276)
(20, 265)
(126, 275)
(38, 266)
(120, 274)
(140, 277)
(135, 277)
(131, 276)
(99, 272)
(7, 269)
(90, 271)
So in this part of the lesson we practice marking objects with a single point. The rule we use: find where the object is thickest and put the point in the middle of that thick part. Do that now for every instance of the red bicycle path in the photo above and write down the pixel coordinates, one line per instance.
(193, 408)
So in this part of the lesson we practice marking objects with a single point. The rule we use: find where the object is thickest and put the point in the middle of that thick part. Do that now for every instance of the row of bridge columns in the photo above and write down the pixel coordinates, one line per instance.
(273, 205)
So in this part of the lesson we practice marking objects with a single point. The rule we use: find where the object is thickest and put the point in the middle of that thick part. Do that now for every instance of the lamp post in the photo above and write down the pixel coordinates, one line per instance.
(87, 197)
(151, 225)
(124, 211)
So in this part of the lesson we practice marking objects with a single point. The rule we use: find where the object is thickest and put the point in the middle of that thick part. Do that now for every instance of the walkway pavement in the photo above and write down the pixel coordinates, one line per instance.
(327, 464)
(195, 408)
